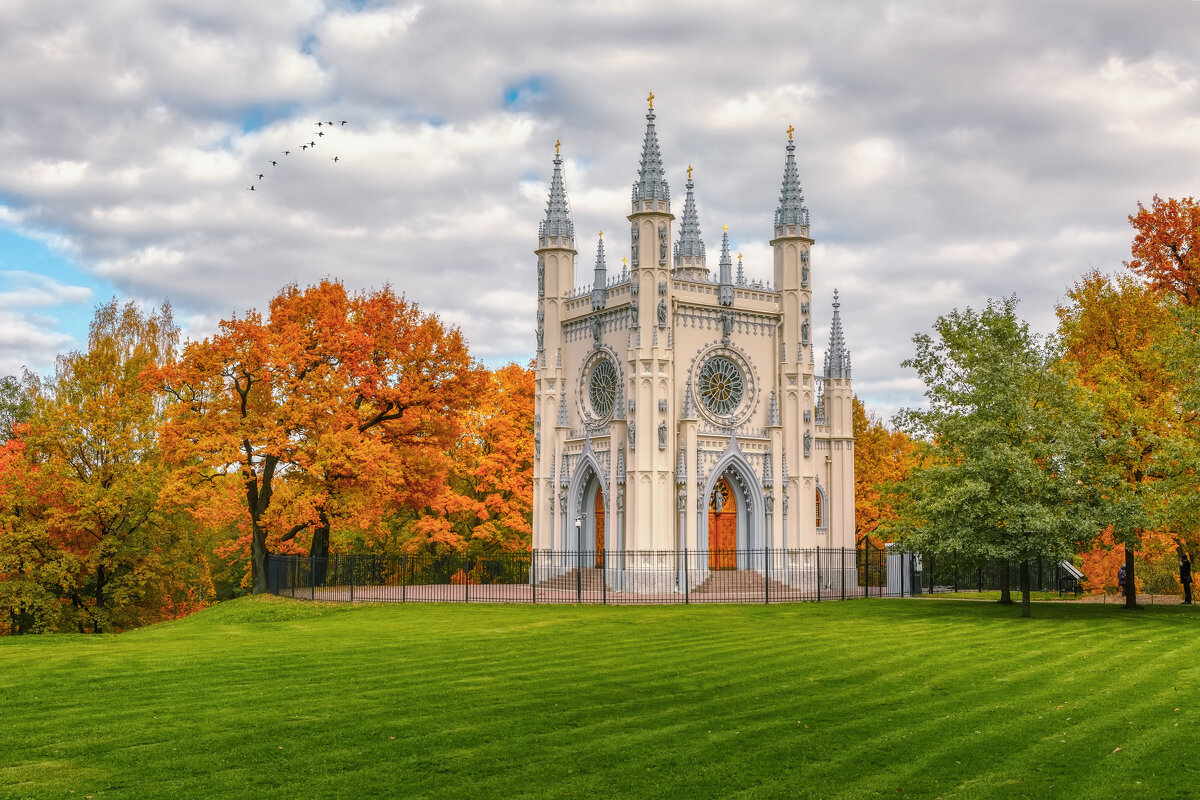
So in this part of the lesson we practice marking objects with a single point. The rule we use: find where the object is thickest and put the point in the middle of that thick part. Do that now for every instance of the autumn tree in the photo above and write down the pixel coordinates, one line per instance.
(881, 457)
(1119, 335)
(15, 405)
(85, 543)
(493, 465)
(336, 407)
(1013, 440)
(1166, 246)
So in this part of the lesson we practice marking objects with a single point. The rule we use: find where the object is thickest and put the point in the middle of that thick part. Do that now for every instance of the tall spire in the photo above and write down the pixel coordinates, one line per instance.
(600, 284)
(558, 214)
(651, 184)
(791, 209)
(689, 250)
(837, 357)
(725, 291)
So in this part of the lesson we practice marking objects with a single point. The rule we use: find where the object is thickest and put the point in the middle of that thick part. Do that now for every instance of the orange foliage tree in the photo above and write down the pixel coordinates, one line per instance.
(86, 541)
(881, 457)
(494, 465)
(1114, 332)
(336, 407)
(1166, 246)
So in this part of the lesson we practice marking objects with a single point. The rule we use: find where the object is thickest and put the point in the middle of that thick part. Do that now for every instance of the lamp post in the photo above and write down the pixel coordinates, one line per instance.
(578, 559)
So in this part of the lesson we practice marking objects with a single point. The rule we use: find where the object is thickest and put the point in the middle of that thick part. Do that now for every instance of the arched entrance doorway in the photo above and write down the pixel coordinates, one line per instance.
(599, 523)
(722, 527)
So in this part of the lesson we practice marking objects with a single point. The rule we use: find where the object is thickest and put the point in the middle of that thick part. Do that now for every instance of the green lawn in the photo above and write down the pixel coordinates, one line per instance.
(870, 698)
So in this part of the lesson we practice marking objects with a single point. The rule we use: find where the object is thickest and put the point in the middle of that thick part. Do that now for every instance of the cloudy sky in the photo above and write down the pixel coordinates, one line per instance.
(950, 151)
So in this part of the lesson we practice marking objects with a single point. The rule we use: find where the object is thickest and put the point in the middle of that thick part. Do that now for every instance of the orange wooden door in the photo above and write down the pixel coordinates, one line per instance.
(722, 527)
(599, 528)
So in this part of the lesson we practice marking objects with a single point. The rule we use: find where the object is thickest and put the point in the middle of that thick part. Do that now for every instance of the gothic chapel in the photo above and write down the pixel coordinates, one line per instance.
(678, 408)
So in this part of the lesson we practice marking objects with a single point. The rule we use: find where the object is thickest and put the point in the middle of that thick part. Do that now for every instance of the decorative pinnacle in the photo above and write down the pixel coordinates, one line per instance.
(652, 180)
(837, 357)
(558, 212)
(791, 209)
(725, 293)
(790, 131)
(741, 274)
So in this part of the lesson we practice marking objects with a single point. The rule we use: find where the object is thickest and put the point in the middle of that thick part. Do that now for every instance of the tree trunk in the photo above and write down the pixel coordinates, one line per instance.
(1130, 584)
(1026, 606)
(1005, 579)
(319, 550)
(258, 559)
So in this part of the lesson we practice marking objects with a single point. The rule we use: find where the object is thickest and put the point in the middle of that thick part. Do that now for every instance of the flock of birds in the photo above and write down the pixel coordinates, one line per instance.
(304, 147)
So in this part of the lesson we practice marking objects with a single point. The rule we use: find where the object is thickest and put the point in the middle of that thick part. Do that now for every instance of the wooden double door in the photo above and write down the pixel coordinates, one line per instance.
(722, 527)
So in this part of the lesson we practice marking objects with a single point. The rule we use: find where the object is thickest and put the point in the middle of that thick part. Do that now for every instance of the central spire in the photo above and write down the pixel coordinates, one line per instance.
(651, 184)
(725, 290)
(689, 250)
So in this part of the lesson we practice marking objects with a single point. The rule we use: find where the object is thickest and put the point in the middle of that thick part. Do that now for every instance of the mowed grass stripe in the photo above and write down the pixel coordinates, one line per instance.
(521, 701)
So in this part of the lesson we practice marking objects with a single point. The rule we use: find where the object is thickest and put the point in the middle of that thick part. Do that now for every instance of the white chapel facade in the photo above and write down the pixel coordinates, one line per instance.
(678, 406)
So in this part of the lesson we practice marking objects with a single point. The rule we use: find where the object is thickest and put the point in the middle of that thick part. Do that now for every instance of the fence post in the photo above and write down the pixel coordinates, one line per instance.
(579, 576)
(766, 577)
(467, 578)
(312, 574)
(604, 581)
(404, 578)
(533, 574)
(350, 561)
(818, 573)
(687, 597)
(843, 571)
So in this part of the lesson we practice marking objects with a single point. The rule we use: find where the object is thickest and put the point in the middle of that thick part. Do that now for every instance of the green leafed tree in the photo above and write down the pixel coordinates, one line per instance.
(1013, 441)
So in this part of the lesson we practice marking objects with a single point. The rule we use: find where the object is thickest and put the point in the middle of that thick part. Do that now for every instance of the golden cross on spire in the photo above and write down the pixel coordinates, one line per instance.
(739, 256)
(790, 131)
(624, 261)
(725, 228)
(650, 100)
(601, 234)
(689, 172)
(557, 144)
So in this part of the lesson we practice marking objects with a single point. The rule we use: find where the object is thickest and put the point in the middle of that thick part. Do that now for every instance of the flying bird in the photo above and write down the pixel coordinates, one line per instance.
(320, 133)
(330, 123)
(251, 189)
(335, 158)
(287, 152)
(319, 124)
(303, 147)
(345, 122)
(261, 176)
(312, 144)
(273, 163)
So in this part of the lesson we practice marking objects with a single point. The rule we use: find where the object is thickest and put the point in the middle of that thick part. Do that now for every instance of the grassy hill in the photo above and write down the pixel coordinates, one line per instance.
(272, 698)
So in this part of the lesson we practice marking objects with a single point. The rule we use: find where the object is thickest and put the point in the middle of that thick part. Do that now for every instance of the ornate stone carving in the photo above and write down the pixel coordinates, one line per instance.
(632, 435)
(537, 445)
(633, 246)
(807, 444)
(681, 501)
(662, 313)
(726, 326)
(804, 332)
(597, 329)
(662, 436)
(662, 245)
(804, 268)
(541, 273)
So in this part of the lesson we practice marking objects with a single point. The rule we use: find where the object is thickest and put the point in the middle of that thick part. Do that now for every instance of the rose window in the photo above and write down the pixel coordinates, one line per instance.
(721, 386)
(602, 388)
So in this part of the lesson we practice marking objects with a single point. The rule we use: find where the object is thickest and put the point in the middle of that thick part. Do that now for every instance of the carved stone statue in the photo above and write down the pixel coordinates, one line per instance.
(804, 268)
(804, 332)
(807, 444)
(632, 435)
(726, 326)
(633, 246)
(662, 313)
(662, 244)
(540, 334)
(681, 502)
(662, 436)
(597, 329)
(541, 276)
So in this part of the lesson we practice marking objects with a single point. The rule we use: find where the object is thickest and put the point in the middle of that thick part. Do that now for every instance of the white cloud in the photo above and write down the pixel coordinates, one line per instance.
(950, 151)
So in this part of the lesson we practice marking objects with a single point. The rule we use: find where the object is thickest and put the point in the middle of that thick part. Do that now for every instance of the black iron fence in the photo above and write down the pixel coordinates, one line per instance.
(643, 577)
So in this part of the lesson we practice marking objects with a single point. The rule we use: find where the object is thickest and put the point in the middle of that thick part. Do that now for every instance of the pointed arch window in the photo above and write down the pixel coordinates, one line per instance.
(821, 513)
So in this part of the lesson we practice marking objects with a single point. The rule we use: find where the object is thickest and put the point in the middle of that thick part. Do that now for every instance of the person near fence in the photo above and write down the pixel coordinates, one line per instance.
(1185, 575)
(1121, 581)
